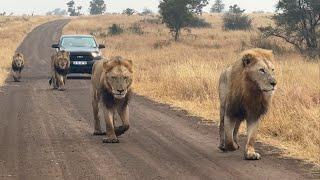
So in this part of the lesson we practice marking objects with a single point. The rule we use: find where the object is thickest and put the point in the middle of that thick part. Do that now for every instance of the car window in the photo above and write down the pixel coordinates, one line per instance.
(78, 42)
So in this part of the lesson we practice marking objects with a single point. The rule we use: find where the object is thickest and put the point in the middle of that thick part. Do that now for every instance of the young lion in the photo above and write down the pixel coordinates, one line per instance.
(17, 66)
(111, 82)
(60, 64)
(245, 91)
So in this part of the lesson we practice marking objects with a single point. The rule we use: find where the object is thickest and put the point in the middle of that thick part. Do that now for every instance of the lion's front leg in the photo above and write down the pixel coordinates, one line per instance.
(61, 80)
(124, 115)
(111, 135)
(95, 107)
(252, 127)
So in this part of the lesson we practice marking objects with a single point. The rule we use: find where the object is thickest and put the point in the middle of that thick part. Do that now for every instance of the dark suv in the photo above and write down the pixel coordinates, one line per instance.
(84, 51)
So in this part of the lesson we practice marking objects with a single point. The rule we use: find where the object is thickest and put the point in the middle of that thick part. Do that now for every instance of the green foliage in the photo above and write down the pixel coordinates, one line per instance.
(236, 9)
(72, 9)
(196, 22)
(236, 20)
(128, 11)
(177, 14)
(115, 29)
(217, 7)
(297, 22)
(97, 7)
(146, 11)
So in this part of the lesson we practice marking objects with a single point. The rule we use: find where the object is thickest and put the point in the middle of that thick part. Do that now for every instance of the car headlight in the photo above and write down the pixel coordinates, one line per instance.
(96, 54)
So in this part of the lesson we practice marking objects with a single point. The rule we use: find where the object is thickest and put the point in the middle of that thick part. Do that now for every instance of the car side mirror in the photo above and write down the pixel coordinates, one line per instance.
(101, 46)
(56, 46)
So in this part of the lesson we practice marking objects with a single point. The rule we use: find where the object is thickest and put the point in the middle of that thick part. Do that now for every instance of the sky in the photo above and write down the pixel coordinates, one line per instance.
(40, 7)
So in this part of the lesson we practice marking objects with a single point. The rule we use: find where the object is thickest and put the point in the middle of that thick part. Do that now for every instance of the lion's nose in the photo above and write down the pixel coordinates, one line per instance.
(120, 91)
(273, 82)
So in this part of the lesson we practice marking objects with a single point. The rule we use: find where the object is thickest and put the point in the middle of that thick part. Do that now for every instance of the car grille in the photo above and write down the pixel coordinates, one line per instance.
(81, 57)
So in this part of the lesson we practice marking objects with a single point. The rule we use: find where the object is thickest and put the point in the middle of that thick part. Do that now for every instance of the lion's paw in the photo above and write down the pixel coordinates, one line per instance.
(252, 156)
(99, 133)
(110, 140)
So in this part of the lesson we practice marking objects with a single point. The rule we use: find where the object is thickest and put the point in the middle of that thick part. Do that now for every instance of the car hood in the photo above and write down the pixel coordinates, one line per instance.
(80, 49)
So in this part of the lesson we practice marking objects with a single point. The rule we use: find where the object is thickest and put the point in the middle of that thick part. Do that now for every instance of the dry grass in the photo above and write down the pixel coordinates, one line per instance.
(185, 74)
(12, 32)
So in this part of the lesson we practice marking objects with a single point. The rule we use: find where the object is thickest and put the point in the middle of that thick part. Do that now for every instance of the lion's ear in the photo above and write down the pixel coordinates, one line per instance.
(107, 66)
(247, 59)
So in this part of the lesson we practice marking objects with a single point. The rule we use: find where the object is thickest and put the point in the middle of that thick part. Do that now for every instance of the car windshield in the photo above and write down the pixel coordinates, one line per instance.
(78, 42)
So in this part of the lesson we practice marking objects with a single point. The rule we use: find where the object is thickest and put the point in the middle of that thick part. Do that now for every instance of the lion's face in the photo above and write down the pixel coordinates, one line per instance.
(260, 70)
(62, 60)
(18, 60)
(118, 76)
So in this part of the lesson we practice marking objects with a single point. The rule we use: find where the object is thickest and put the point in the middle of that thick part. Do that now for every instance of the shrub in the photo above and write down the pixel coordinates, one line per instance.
(196, 22)
(236, 21)
(136, 29)
(115, 29)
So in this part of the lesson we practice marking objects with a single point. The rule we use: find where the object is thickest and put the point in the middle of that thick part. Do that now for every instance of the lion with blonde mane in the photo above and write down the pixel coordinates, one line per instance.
(245, 90)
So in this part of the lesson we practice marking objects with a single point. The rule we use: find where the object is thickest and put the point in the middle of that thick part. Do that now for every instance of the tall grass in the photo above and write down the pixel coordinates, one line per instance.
(185, 74)
(12, 32)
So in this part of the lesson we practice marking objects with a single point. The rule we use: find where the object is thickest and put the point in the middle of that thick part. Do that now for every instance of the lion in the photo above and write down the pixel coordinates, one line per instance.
(60, 64)
(245, 91)
(111, 83)
(17, 66)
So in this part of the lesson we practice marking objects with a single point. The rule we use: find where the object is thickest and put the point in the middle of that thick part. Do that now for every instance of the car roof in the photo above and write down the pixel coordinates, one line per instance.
(79, 35)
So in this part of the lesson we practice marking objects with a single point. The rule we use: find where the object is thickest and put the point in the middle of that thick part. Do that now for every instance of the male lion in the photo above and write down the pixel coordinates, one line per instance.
(111, 82)
(245, 91)
(60, 64)
(17, 66)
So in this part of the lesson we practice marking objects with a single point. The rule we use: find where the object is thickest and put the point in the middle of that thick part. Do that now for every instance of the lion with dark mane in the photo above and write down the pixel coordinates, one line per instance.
(60, 64)
(17, 66)
(245, 90)
(111, 85)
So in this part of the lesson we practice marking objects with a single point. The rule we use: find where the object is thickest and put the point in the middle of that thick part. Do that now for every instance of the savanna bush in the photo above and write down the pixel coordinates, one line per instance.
(115, 29)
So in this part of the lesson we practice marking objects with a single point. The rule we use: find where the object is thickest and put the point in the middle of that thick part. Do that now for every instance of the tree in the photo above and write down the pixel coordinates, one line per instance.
(146, 11)
(128, 11)
(297, 22)
(97, 7)
(176, 14)
(217, 7)
(78, 13)
(71, 8)
(234, 19)
(235, 9)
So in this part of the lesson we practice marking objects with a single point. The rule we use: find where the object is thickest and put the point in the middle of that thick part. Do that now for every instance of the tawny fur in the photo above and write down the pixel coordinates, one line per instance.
(17, 66)
(245, 90)
(60, 64)
(111, 88)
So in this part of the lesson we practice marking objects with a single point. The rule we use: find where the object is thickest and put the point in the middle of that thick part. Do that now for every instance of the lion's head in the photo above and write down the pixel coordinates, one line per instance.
(18, 60)
(258, 70)
(118, 76)
(62, 60)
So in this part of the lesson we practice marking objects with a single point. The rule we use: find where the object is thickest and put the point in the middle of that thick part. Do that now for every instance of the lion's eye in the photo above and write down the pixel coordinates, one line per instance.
(272, 70)
(262, 71)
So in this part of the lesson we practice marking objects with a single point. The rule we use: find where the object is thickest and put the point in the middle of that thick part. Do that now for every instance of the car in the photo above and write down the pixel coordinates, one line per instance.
(84, 52)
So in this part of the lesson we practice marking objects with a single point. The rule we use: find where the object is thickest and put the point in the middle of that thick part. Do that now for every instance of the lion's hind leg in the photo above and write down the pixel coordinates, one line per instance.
(229, 127)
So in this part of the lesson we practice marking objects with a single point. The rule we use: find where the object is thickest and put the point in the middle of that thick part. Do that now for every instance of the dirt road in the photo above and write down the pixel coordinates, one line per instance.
(45, 134)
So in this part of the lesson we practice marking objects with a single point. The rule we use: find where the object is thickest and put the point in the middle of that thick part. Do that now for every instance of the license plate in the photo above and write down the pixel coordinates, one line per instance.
(80, 62)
